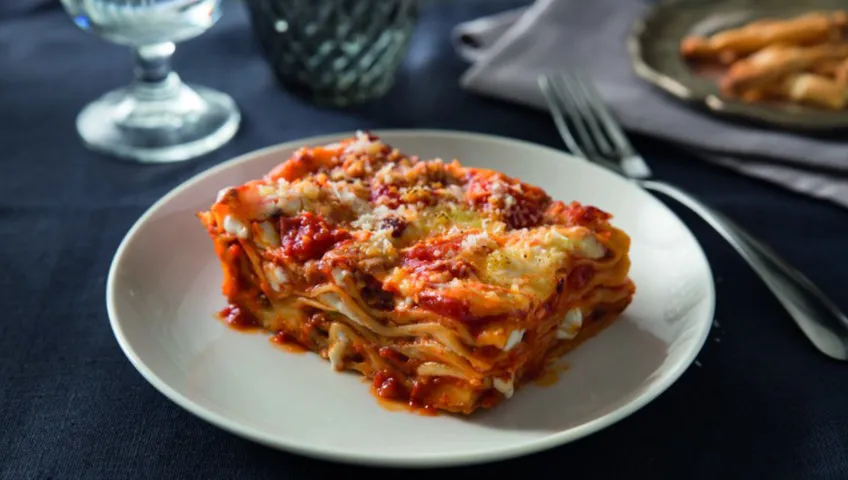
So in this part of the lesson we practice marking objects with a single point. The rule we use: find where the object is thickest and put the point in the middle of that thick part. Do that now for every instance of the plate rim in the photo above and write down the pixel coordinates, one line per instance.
(413, 461)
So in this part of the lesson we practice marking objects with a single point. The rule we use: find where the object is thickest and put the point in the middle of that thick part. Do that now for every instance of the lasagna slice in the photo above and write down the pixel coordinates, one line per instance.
(446, 286)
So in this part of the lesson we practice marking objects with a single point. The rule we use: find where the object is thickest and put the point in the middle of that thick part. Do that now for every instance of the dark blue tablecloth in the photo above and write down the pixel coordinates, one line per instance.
(761, 403)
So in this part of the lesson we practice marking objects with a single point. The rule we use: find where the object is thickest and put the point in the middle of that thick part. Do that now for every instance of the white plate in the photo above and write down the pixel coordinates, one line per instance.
(164, 289)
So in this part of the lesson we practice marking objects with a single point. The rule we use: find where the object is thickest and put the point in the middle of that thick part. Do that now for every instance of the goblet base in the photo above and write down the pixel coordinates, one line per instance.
(138, 124)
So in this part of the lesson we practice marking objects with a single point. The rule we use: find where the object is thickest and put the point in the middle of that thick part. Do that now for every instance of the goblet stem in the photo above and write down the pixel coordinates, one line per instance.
(153, 62)
(157, 96)
(156, 83)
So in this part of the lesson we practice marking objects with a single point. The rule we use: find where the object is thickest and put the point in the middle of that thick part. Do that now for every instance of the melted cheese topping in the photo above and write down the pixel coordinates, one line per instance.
(530, 259)
(513, 271)
(391, 206)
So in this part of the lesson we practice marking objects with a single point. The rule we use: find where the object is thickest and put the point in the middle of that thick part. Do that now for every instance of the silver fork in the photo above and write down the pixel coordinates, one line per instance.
(594, 134)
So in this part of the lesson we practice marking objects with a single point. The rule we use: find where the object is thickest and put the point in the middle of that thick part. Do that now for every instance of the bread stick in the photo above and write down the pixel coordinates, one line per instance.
(827, 68)
(809, 29)
(774, 62)
(841, 73)
(812, 89)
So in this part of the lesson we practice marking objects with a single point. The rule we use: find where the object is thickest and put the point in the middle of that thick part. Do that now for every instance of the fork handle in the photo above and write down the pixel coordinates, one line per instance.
(817, 316)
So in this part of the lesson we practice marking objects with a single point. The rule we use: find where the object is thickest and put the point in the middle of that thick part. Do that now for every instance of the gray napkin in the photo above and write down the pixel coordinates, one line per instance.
(510, 49)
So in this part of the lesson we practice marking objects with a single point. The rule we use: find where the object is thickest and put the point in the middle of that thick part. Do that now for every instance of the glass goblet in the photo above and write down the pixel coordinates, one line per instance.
(335, 52)
(157, 118)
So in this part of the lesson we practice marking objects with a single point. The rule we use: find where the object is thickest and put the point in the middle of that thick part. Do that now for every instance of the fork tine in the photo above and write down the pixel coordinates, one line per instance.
(632, 164)
(573, 113)
(573, 86)
(559, 116)
(610, 125)
(555, 104)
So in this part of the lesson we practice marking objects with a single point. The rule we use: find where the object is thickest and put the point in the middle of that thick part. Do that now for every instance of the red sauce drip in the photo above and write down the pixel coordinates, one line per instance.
(420, 390)
(394, 395)
(389, 387)
(287, 343)
(238, 318)
(580, 276)
(549, 376)
(308, 236)
(426, 389)
(400, 406)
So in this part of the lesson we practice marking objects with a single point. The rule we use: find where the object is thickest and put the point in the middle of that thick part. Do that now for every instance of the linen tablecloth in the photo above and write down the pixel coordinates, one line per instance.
(759, 403)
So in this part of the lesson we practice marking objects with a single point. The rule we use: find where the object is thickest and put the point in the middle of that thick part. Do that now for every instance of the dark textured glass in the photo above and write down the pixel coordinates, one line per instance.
(334, 52)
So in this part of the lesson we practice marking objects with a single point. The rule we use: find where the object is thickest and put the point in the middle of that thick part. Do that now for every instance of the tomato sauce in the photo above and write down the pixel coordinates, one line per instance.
(580, 276)
(308, 236)
(239, 318)
(521, 205)
(288, 343)
(393, 395)
(446, 306)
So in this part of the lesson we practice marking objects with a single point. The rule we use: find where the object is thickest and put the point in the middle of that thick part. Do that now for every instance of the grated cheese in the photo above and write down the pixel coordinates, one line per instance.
(235, 227)
(276, 276)
(570, 325)
(514, 339)
(477, 240)
(506, 387)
